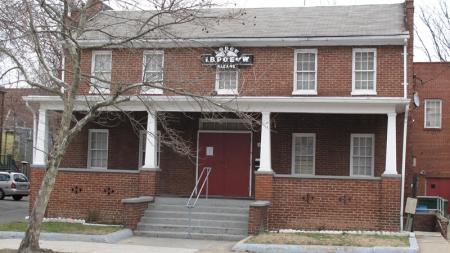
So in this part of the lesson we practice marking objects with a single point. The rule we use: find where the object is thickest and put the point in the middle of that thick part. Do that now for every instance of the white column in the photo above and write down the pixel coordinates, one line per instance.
(151, 144)
(265, 149)
(391, 145)
(40, 148)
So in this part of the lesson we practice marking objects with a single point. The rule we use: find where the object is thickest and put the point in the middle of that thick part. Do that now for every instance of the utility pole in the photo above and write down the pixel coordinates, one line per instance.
(2, 112)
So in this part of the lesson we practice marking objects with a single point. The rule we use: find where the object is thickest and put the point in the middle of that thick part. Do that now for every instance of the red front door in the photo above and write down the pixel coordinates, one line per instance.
(439, 187)
(228, 154)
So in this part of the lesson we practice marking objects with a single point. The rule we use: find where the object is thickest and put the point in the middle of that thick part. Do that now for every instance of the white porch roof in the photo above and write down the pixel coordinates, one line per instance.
(338, 105)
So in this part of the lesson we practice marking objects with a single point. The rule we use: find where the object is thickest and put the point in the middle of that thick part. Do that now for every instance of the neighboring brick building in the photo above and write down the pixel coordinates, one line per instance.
(329, 86)
(429, 138)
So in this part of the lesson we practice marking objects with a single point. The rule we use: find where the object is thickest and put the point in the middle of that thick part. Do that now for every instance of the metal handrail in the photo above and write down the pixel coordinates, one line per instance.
(208, 171)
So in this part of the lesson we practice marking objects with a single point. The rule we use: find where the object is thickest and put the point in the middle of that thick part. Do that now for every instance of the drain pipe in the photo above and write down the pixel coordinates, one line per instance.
(405, 131)
(34, 128)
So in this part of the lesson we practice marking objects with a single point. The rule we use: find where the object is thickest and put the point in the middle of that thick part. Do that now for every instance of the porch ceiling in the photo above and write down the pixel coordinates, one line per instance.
(338, 105)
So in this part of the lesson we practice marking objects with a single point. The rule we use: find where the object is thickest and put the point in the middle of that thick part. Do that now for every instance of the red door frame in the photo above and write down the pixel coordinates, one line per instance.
(231, 132)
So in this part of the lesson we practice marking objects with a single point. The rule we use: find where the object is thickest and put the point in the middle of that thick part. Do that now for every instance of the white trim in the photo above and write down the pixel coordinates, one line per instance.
(89, 147)
(234, 91)
(425, 113)
(373, 154)
(228, 132)
(395, 39)
(143, 133)
(294, 136)
(257, 104)
(95, 53)
(356, 92)
(154, 91)
(296, 91)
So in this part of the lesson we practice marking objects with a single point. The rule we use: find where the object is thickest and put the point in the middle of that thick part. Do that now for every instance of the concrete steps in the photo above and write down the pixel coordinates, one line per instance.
(212, 219)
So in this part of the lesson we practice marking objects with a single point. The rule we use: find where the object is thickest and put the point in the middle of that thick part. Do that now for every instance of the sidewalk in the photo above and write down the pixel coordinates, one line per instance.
(431, 242)
(134, 244)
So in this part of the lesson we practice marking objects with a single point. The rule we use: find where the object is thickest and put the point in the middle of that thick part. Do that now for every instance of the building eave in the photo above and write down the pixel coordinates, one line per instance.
(372, 40)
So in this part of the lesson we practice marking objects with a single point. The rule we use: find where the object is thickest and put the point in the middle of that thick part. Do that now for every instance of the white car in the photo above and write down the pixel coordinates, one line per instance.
(14, 184)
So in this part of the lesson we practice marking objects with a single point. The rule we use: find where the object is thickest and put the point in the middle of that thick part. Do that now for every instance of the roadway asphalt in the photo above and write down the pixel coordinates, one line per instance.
(11, 210)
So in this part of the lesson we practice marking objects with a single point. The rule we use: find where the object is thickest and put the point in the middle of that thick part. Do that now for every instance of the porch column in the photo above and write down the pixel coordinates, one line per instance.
(265, 149)
(151, 142)
(391, 145)
(40, 148)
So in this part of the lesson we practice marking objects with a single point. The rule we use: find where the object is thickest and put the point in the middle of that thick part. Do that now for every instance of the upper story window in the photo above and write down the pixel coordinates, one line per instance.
(101, 72)
(362, 155)
(305, 74)
(433, 113)
(227, 81)
(98, 148)
(364, 71)
(303, 153)
(153, 73)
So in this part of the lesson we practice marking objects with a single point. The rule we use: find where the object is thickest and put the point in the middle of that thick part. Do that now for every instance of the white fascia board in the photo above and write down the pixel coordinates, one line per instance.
(398, 39)
(338, 105)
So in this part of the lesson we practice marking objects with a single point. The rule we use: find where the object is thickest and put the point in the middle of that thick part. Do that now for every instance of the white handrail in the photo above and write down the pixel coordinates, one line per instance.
(208, 171)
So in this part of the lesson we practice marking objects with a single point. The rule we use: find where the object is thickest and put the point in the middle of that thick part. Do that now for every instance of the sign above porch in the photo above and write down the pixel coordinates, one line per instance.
(227, 58)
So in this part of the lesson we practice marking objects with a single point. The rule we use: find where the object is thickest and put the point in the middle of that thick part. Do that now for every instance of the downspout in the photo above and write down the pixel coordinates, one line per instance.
(34, 130)
(405, 131)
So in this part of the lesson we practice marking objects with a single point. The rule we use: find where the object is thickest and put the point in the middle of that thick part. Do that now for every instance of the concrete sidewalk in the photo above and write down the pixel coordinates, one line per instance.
(133, 244)
(431, 242)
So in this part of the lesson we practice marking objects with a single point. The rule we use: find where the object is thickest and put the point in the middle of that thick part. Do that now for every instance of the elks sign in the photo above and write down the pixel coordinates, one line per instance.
(227, 58)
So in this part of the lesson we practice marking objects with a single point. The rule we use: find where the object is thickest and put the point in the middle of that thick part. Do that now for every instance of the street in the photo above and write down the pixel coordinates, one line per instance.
(11, 210)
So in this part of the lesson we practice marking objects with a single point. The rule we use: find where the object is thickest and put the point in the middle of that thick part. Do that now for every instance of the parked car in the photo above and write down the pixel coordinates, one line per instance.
(14, 184)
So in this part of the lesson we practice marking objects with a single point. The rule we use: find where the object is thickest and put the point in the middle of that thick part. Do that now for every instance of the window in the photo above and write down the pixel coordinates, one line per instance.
(20, 178)
(433, 113)
(227, 81)
(362, 154)
(101, 70)
(364, 71)
(4, 177)
(305, 74)
(98, 149)
(142, 142)
(303, 153)
(153, 73)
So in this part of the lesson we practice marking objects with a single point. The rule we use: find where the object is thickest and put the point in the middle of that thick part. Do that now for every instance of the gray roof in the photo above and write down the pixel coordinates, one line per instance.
(286, 22)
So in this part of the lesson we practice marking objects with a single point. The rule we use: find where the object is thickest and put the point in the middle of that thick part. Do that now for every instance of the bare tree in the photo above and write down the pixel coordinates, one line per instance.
(435, 40)
(35, 33)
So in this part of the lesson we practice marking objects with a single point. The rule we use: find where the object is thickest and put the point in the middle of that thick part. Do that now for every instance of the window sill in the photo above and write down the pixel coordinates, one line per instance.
(304, 92)
(432, 128)
(328, 177)
(227, 92)
(153, 91)
(364, 93)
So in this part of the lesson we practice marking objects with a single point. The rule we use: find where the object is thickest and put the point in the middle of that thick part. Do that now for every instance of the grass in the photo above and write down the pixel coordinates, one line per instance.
(62, 227)
(330, 239)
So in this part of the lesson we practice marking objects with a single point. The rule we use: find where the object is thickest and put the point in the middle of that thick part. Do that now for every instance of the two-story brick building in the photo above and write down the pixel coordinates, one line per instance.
(329, 86)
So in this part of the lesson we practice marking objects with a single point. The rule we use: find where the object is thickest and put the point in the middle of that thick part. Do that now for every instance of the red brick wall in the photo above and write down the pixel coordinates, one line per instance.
(271, 75)
(76, 194)
(430, 147)
(336, 204)
(123, 143)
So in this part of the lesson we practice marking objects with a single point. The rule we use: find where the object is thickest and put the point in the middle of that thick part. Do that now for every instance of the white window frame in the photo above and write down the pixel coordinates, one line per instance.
(364, 92)
(142, 141)
(154, 91)
(294, 136)
(89, 147)
(304, 92)
(92, 90)
(425, 114)
(227, 91)
(373, 154)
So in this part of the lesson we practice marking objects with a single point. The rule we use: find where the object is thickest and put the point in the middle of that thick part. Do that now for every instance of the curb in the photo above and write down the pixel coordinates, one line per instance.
(282, 248)
(108, 238)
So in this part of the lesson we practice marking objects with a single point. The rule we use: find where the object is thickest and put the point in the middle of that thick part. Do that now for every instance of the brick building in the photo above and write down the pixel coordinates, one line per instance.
(428, 148)
(328, 85)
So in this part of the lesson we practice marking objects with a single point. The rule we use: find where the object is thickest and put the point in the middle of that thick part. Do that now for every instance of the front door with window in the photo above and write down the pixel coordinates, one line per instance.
(228, 154)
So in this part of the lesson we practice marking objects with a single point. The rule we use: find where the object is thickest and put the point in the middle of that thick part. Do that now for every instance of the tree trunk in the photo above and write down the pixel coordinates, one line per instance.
(30, 243)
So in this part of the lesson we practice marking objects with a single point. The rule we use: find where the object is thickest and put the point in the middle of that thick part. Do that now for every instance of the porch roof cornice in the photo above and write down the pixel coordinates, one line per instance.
(339, 105)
